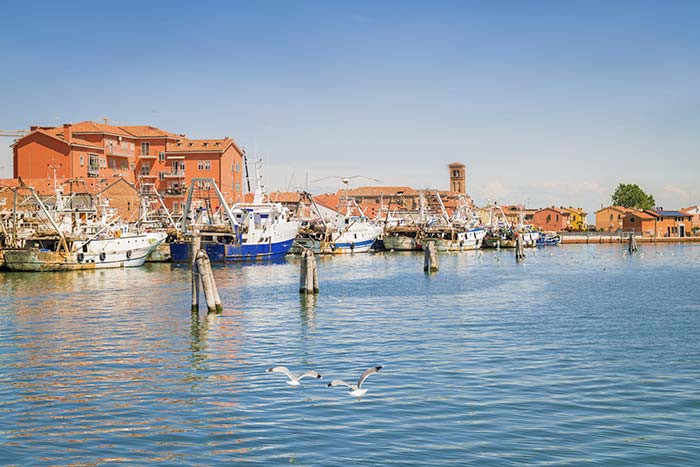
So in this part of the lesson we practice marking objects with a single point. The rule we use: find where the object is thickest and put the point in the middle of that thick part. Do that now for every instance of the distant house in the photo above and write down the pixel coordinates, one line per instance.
(658, 223)
(577, 218)
(551, 219)
(694, 212)
(609, 219)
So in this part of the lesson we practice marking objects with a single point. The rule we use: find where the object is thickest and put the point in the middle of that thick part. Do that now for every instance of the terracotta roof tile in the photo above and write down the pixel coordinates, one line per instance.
(147, 131)
(200, 145)
(93, 127)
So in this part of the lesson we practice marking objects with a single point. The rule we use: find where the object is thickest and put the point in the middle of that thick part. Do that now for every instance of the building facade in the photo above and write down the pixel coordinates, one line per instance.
(458, 178)
(609, 219)
(659, 223)
(551, 219)
(141, 155)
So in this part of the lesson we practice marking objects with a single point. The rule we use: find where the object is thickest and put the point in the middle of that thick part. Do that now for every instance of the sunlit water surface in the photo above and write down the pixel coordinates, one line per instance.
(581, 355)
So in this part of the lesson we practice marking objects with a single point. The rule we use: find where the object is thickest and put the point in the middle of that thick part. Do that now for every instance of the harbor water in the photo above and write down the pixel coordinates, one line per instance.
(581, 355)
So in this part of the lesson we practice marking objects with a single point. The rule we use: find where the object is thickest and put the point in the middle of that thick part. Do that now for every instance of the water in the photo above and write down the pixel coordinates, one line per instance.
(580, 356)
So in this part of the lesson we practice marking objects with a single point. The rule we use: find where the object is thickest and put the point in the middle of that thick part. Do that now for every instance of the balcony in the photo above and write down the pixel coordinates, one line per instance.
(147, 156)
(93, 171)
(173, 174)
(118, 152)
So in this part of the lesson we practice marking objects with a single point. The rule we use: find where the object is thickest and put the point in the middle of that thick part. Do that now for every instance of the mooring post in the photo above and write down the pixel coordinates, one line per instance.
(302, 271)
(632, 246)
(519, 248)
(196, 244)
(212, 283)
(430, 260)
(207, 285)
(314, 270)
(308, 275)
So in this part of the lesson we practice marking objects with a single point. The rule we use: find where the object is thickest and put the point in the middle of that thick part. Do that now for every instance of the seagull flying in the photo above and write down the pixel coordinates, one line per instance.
(356, 389)
(293, 379)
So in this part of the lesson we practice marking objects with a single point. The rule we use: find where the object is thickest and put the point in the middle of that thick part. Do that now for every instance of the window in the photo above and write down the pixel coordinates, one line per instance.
(145, 149)
(207, 165)
(238, 186)
(93, 165)
(200, 165)
(161, 156)
(238, 167)
(161, 175)
(82, 160)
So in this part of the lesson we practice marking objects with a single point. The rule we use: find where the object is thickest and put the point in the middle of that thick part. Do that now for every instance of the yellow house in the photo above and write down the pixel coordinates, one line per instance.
(577, 218)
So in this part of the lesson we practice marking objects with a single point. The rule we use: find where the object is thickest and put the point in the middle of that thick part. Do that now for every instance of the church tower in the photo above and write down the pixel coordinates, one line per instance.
(458, 178)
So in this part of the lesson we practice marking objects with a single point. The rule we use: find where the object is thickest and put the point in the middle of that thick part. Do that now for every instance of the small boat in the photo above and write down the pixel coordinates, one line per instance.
(549, 239)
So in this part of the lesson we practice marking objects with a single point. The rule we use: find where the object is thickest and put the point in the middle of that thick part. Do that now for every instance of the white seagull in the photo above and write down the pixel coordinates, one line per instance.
(356, 389)
(293, 379)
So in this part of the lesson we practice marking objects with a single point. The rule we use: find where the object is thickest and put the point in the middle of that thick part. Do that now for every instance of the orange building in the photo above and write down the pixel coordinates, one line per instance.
(139, 154)
(551, 219)
(658, 223)
(609, 219)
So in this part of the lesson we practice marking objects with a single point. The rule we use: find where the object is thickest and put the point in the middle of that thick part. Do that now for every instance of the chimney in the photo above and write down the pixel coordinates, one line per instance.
(67, 132)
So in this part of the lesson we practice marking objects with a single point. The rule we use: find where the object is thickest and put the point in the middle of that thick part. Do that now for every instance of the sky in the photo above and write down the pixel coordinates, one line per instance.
(546, 102)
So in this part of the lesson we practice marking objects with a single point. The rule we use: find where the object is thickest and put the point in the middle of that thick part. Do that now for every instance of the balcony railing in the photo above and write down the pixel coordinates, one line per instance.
(174, 174)
(147, 156)
(118, 152)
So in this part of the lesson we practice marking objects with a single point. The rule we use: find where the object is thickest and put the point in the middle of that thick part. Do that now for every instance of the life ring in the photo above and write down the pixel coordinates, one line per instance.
(102, 256)
(128, 254)
(81, 257)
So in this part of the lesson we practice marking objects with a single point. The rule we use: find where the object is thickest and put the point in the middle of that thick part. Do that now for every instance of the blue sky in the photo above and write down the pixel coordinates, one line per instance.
(547, 102)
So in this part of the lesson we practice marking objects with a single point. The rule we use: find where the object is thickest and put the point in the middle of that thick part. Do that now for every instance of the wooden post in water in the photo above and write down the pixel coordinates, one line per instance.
(308, 275)
(519, 249)
(196, 244)
(430, 260)
(211, 294)
(632, 246)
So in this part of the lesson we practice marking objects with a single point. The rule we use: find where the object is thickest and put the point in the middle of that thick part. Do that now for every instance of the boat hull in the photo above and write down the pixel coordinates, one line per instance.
(321, 247)
(529, 240)
(401, 243)
(98, 254)
(181, 252)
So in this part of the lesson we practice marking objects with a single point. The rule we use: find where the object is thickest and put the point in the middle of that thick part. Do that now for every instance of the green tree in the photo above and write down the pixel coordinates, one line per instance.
(631, 196)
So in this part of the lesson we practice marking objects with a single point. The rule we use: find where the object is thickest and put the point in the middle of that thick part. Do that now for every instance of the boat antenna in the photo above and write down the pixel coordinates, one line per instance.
(245, 165)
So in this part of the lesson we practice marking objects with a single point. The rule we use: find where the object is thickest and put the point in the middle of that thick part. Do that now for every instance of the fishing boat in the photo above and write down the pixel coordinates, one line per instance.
(405, 233)
(349, 231)
(110, 246)
(255, 231)
(549, 239)
(459, 232)
(503, 234)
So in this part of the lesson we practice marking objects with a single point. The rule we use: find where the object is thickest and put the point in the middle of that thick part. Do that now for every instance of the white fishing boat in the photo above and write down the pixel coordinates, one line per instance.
(255, 231)
(108, 245)
(460, 232)
(349, 231)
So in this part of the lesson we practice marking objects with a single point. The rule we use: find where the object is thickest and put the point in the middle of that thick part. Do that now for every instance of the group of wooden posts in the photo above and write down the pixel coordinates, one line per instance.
(308, 277)
(202, 273)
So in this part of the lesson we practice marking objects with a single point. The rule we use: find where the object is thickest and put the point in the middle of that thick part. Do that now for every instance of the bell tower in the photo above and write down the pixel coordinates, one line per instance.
(458, 178)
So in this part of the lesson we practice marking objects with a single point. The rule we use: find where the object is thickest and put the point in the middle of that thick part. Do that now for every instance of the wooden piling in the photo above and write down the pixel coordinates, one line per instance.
(208, 282)
(632, 246)
(430, 260)
(519, 249)
(308, 274)
(196, 245)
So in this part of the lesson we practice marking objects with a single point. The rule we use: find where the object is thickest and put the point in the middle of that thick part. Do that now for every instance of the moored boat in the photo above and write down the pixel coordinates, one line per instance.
(58, 253)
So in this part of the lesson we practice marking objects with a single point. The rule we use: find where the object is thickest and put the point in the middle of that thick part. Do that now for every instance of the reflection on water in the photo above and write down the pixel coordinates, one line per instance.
(580, 355)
